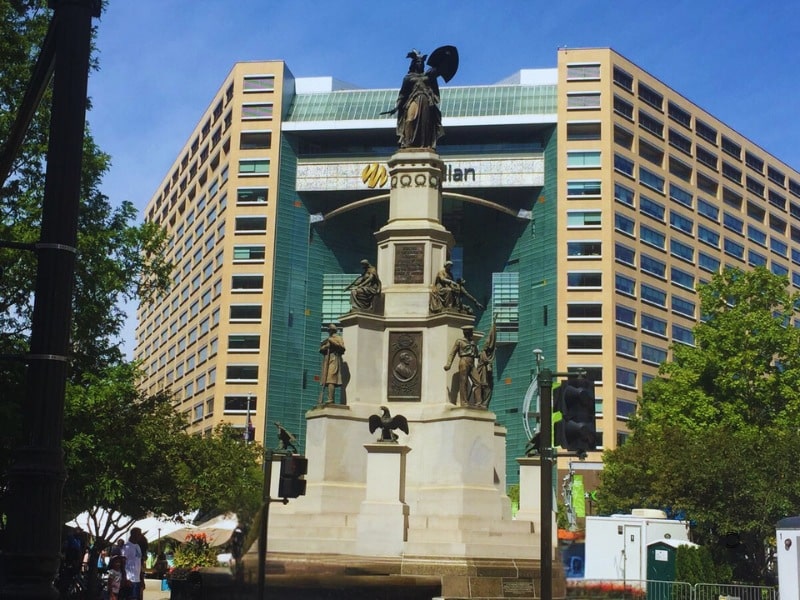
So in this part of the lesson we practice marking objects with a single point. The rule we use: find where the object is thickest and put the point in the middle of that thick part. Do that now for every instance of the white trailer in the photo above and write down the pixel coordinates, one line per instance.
(616, 546)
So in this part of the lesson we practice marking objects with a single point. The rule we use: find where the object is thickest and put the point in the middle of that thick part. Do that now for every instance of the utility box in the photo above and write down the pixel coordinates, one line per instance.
(617, 546)
(788, 543)
(661, 567)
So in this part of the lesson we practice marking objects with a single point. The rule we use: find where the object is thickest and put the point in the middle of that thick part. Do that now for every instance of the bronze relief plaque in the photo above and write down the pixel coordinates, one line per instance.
(409, 263)
(405, 365)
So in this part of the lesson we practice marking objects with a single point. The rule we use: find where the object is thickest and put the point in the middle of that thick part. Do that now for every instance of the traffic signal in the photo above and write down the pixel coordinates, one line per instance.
(291, 484)
(576, 430)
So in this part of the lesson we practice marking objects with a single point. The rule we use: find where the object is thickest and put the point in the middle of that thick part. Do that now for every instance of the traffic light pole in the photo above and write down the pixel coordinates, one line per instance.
(548, 458)
(267, 499)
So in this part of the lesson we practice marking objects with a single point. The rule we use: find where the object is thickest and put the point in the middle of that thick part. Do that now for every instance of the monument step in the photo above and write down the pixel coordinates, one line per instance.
(495, 526)
(529, 550)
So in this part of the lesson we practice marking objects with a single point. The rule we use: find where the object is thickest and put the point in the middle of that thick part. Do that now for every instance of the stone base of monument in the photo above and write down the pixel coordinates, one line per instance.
(329, 577)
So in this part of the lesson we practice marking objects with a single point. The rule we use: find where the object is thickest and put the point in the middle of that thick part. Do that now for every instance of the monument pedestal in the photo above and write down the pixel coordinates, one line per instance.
(382, 523)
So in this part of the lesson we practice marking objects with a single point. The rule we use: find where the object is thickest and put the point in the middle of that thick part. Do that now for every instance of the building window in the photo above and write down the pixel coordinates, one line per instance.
(754, 162)
(505, 306)
(653, 355)
(776, 176)
(625, 285)
(584, 249)
(651, 208)
(584, 311)
(706, 184)
(681, 250)
(731, 172)
(681, 222)
(651, 124)
(624, 195)
(680, 195)
(682, 306)
(653, 266)
(583, 188)
(731, 148)
(585, 279)
(626, 346)
(653, 295)
(247, 283)
(623, 79)
(625, 255)
(583, 159)
(654, 325)
(578, 131)
(705, 131)
(708, 263)
(235, 373)
(256, 112)
(651, 237)
(623, 165)
(626, 378)
(259, 83)
(251, 224)
(584, 342)
(734, 249)
(624, 224)
(708, 210)
(251, 196)
(623, 108)
(756, 235)
(248, 253)
(709, 159)
(733, 223)
(244, 342)
(754, 186)
(778, 246)
(240, 404)
(651, 97)
(755, 259)
(779, 269)
(245, 312)
(651, 154)
(679, 115)
(255, 140)
(683, 335)
(682, 278)
(583, 219)
(776, 199)
(256, 166)
(623, 137)
(583, 100)
(651, 180)
(679, 141)
(625, 315)
(583, 71)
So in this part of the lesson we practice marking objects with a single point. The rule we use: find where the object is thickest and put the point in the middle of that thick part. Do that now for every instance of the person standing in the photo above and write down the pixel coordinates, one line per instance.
(332, 349)
(132, 553)
(467, 351)
(137, 537)
(114, 577)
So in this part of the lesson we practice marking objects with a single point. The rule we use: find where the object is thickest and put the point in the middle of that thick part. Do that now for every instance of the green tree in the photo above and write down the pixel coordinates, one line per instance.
(117, 259)
(715, 436)
(130, 452)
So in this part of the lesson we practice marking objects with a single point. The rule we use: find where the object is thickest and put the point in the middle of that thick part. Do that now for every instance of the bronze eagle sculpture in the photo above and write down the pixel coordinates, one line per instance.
(387, 423)
(286, 438)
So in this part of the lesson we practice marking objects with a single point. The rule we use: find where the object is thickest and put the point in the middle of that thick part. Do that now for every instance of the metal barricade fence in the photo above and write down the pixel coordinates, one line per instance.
(588, 589)
(713, 591)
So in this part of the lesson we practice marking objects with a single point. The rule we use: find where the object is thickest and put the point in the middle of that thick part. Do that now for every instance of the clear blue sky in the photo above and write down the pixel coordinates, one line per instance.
(162, 61)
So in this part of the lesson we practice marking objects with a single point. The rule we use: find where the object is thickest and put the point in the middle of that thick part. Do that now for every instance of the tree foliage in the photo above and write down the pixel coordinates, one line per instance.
(130, 452)
(715, 437)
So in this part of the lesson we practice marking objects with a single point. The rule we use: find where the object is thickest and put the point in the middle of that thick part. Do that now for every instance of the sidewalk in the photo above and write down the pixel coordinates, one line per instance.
(152, 590)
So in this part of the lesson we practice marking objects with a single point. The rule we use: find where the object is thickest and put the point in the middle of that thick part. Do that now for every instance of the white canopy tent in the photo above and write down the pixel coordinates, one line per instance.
(218, 531)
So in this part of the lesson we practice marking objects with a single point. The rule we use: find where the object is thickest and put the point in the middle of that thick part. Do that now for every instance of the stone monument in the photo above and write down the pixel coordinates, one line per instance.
(429, 504)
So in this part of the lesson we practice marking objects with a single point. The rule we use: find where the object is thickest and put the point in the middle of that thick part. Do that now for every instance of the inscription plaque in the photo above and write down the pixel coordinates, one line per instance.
(405, 365)
(409, 263)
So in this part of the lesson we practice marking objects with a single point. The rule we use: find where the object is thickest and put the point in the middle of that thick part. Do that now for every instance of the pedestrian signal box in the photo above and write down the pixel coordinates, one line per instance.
(291, 483)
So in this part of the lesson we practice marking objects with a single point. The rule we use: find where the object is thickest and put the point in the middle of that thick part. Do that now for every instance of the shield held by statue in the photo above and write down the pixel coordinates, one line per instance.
(445, 60)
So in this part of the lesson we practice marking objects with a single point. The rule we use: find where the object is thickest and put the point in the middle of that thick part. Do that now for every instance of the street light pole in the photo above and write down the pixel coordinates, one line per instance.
(548, 457)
